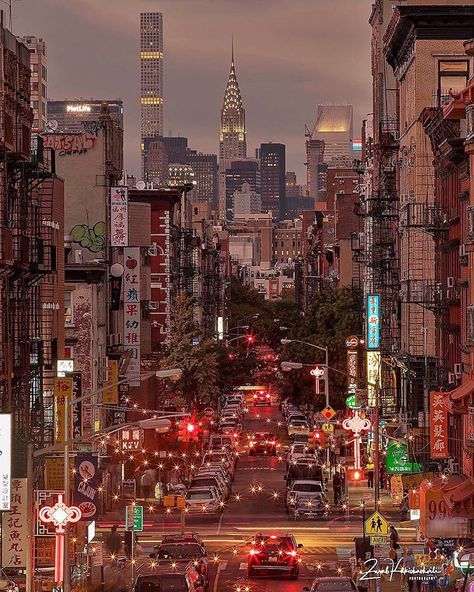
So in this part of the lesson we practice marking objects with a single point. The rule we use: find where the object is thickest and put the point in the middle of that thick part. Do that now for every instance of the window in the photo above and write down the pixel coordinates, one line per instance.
(43, 90)
(452, 78)
(68, 309)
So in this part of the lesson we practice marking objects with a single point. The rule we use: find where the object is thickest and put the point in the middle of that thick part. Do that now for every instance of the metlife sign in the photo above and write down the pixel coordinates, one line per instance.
(373, 321)
(5, 460)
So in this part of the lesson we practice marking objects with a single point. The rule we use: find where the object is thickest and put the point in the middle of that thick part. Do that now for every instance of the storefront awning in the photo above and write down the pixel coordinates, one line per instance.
(462, 391)
(460, 499)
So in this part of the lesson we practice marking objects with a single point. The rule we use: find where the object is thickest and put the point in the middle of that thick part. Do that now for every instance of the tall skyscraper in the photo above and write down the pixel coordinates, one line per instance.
(232, 138)
(314, 161)
(334, 126)
(39, 80)
(151, 76)
(238, 173)
(205, 173)
(272, 172)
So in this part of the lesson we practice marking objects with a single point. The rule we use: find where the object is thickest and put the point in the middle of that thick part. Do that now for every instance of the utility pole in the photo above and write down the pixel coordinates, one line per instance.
(67, 501)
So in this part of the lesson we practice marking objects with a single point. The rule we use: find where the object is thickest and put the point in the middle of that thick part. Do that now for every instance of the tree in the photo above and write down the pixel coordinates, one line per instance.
(333, 316)
(195, 356)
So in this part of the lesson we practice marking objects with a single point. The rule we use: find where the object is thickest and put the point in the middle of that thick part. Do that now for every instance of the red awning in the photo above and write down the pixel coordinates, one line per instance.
(463, 391)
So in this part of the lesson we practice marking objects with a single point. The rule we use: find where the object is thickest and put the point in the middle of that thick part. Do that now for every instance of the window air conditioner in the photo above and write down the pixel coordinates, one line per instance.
(450, 282)
(451, 377)
(458, 370)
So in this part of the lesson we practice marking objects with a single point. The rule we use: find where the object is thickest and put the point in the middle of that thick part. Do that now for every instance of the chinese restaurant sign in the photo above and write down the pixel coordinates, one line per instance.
(373, 321)
(5, 460)
(119, 216)
(86, 485)
(374, 378)
(62, 389)
(438, 425)
(132, 312)
(15, 528)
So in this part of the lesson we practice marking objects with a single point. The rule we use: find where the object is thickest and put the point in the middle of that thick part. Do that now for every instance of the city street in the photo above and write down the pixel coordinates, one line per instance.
(257, 504)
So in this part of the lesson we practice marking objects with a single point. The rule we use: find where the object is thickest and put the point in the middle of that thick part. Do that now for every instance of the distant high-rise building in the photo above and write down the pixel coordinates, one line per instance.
(272, 172)
(314, 161)
(155, 160)
(334, 126)
(232, 138)
(292, 189)
(247, 201)
(69, 115)
(238, 173)
(151, 78)
(180, 174)
(205, 174)
(176, 148)
(39, 80)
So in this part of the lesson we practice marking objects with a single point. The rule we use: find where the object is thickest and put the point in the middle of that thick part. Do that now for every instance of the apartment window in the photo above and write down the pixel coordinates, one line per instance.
(43, 90)
(35, 86)
(452, 78)
(68, 309)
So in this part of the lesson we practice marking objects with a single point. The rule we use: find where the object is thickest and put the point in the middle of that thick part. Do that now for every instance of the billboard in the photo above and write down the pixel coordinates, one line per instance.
(373, 321)
(374, 376)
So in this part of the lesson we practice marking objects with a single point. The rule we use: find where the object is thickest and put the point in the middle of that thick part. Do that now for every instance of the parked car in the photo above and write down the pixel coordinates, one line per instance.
(262, 399)
(221, 442)
(211, 480)
(203, 500)
(277, 553)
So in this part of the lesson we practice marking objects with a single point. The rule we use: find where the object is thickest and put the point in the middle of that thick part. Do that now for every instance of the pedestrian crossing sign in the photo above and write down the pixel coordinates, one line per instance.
(376, 525)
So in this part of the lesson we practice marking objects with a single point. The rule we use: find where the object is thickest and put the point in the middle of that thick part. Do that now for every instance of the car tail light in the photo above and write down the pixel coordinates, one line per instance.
(255, 396)
(267, 395)
(292, 553)
(273, 443)
(253, 552)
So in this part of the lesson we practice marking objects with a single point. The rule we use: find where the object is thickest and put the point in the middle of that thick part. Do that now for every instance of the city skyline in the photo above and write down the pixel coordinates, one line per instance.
(308, 74)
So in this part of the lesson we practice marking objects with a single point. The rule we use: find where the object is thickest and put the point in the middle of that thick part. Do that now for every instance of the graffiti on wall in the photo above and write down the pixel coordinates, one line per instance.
(68, 144)
(93, 127)
(92, 239)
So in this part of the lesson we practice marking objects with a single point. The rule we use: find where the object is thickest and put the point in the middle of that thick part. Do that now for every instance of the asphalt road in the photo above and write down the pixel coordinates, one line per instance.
(257, 504)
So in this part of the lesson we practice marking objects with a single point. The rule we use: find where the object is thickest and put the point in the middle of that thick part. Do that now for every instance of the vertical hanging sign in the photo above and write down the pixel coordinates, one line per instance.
(438, 426)
(110, 396)
(119, 216)
(62, 389)
(15, 528)
(77, 407)
(132, 312)
(373, 321)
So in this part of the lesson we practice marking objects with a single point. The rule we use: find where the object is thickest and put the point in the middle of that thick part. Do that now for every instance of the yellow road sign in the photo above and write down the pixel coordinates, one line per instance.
(378, 540)
(376, 525)
(328, 413)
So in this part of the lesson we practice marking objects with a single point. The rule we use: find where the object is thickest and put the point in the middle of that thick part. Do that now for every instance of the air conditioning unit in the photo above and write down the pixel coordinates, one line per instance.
(451, 377)
(462, 250)
(78, 256)
(152, 251)
(458, 370)
(450, 282)
(152, 305)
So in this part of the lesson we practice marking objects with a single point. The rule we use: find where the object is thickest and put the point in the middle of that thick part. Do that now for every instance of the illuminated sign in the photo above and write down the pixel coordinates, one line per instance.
(373, 321)
(78, 108)
(220, 328)
(374, 379)
(5, 460)
(438, 425)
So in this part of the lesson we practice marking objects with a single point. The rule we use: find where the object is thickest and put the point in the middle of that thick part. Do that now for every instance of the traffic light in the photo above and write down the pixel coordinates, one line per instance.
(250, 339)
(319, 438)
(190, 427)
(183, 430)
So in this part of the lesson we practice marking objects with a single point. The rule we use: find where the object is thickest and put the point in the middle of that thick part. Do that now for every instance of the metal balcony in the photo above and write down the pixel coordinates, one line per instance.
(427, 217)
(426, 293)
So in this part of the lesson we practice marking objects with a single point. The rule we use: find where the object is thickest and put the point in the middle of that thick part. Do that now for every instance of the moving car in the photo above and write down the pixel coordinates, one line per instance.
(299, 450)
(332, 584)
(178, 578)
(181, 549)
(298, 427)
(262, 399)
(274, 553)
(221, 442)
(263, 443)
(308, 489)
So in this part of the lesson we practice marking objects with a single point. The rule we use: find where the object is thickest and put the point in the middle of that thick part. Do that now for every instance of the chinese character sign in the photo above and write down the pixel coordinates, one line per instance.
(77, 407)
(373, 321)
(5, 460)
(374, 378)
(15, 527)
(438, 425)
(132, 312)
(352, 370)
(110, 396)
(62, 390)
(119, 216)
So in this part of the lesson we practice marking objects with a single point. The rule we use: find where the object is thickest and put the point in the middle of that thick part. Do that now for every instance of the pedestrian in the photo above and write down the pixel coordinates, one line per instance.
(127, 544)
(336, 487)
(113, 542)
(409, 564)
(370, 478)
(394, 544)
(146, 483)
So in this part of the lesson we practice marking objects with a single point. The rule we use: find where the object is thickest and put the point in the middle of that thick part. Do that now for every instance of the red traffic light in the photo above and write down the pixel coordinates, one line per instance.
(355, 475)
(190, 427)
(250, 338)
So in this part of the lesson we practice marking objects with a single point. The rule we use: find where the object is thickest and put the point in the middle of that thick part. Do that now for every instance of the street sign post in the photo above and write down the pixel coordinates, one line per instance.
(376, 525)
(328, 413)
(134, 518)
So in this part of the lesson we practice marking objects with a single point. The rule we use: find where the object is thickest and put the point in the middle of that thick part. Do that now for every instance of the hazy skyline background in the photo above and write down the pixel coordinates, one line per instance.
(290, 55)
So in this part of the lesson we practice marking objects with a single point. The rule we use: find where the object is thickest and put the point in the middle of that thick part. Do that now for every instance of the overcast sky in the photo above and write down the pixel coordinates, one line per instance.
(290, 55)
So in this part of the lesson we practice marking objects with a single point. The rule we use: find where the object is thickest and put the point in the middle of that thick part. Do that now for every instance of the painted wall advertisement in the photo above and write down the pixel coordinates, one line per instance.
(132, 312)
(15, 527)
(438, 426)
(86, 485)
(62, 389)
(119, 216)
(5, 460)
